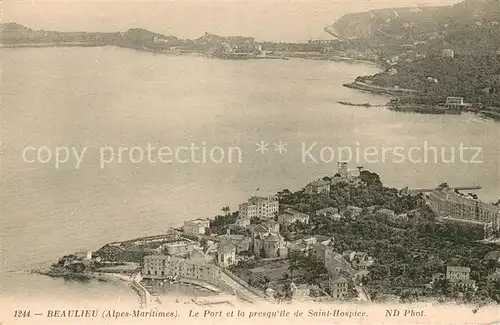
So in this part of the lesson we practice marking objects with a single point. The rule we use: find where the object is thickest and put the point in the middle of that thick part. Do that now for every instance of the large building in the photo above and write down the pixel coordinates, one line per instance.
(196, 227)
(267, 243)
(178, 247)
(448, 203)
(456, 103)
(339, 286)
(194, 266)
(259, 207)
(317, 187)
(460, 276)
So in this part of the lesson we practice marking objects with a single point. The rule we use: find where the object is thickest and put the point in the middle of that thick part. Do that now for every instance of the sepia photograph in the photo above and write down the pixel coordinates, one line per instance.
(241, 161)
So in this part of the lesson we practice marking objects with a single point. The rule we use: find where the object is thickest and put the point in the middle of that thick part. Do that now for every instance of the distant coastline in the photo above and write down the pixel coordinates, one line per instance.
(414, 108)
(276, 56)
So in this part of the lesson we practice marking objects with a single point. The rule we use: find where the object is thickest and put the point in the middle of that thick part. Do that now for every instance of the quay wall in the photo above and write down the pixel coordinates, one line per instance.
(141, 290)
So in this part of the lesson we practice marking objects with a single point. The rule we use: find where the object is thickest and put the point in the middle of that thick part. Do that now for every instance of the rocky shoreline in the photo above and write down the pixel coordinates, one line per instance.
(412, 108)
(84, 276)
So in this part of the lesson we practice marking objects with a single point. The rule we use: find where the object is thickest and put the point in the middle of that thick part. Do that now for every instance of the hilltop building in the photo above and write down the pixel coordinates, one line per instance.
(344, 175)
(259, 207)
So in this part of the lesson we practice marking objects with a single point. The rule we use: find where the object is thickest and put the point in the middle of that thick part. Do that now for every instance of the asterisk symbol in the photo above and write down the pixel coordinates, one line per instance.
(262, 146)
(280, 147)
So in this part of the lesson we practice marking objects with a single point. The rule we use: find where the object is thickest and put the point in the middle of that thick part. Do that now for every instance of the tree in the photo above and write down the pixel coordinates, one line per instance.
(226, 210)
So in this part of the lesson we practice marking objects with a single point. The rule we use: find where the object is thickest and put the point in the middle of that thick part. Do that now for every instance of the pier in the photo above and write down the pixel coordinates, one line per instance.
(458, 188)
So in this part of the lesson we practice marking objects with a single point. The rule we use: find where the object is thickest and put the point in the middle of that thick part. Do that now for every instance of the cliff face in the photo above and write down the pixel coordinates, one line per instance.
(472, 25)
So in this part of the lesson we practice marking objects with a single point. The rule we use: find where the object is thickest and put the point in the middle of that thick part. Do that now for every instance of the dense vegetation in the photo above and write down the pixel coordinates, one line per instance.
(475, 78)
(470, 27)
(370, 193)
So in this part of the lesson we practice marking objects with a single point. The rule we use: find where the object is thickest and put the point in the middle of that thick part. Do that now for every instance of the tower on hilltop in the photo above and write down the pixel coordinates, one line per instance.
(342, 168)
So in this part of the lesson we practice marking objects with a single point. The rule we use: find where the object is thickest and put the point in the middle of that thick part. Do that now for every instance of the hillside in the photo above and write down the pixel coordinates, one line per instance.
(13, 34)
(472, 26)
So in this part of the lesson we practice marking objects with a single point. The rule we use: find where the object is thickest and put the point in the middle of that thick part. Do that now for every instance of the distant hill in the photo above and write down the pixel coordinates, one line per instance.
(472, 26)
(14, 34)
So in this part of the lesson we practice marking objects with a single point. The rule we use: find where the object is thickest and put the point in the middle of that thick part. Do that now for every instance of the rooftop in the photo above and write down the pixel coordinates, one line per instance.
(225, 247)
(258, 229)
(476, 222)
(321, 238)
(257, 199)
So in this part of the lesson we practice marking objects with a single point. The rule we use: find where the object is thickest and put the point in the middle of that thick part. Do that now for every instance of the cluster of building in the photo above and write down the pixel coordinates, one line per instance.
(458, 276)
(263, 219)
(350, 266)
(452, 206)
(343, 175)
(185, 258)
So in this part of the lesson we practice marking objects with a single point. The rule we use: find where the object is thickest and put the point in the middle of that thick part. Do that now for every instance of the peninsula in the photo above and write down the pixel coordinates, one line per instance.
(342, 237)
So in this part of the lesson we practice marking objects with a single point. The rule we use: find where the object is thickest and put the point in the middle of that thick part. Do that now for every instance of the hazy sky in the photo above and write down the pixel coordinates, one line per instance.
(265, 20)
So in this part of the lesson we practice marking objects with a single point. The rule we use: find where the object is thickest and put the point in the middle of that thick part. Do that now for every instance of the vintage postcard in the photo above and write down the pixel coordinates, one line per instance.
(241, 162)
